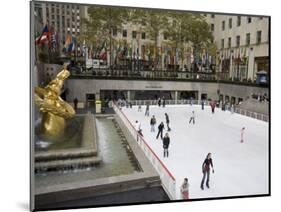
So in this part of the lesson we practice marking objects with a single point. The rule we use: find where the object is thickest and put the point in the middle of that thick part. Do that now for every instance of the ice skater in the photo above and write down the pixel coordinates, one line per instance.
(202, 104)
(163, 101)
(147, 110)
(160, 130)
(206, 170)
(185, 189)
(166, 143)
(213, 105)
(167, 122)
(139, 108)
(159, 102)
(232, 109)
(242, 134)
(152, 123)
(192, 118)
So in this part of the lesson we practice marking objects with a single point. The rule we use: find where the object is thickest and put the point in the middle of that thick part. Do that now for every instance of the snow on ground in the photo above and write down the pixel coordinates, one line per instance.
(240, 168)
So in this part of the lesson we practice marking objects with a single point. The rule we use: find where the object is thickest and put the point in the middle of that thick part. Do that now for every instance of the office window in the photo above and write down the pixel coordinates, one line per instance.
(222, 43)
(258, 37)
(212, 27)
(124, 33)
(143, 35)
(238, 20)
(230, 23)
(249, 19)
(237, 41)
(134, 34)
(223, 26)
(229, 42)
(248, 39)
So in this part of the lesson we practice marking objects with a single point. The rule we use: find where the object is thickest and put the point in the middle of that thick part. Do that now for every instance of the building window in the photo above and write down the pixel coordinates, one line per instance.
(124, 33)
(114, 32)
(213, 15)
(238, 20)
(261, 18)
(248, 39)
(229, 42)
(223, 26)
(258, 37)
(165, 36)
(143, 35)
(134, 34)
(237, 40)
(212, 27)
(222, 43)
(230, 23)
(249, 19)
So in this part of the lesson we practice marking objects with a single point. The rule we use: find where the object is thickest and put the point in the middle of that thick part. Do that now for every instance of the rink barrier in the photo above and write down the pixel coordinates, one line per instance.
(255, 115)
(167, 178)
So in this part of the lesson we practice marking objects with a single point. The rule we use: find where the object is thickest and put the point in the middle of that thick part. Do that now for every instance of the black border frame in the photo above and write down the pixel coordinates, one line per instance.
(31, 162)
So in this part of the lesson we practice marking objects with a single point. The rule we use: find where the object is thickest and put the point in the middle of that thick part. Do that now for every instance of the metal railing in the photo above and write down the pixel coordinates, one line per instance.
(255, 115)
(167, 179)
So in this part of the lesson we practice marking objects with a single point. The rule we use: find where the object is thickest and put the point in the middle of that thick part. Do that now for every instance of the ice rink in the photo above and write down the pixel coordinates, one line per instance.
(240, 168)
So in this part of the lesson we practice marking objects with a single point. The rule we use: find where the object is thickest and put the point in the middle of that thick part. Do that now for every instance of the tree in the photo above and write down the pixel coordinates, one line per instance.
(101, 23)
(152, 22)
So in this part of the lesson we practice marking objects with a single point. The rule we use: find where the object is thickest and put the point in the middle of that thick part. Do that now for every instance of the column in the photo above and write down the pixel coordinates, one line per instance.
(176, 97)
(128, 96)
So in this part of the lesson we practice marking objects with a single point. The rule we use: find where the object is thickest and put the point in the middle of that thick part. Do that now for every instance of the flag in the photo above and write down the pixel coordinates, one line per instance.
(67, 43)
(43, 37)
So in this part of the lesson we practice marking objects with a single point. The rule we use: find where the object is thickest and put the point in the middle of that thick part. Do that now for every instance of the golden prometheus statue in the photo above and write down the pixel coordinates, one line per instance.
(53, 108)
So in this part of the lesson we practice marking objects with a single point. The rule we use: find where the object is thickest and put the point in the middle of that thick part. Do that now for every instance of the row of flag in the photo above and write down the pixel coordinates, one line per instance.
(50, 37)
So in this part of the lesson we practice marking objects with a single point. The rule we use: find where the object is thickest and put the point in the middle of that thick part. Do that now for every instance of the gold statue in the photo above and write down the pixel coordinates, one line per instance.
(53, 108)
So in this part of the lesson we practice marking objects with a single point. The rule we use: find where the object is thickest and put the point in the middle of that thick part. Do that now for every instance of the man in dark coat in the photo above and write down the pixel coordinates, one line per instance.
(160, 130)
(166, 143)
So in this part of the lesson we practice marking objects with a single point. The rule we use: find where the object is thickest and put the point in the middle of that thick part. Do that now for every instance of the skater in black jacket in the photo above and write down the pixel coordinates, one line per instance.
(166, 143)
(160, 130)
(206, 170)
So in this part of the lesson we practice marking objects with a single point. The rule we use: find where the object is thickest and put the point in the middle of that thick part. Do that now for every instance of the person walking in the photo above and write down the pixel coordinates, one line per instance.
(167, 122)
(242, 134)
(166, 143)
(192, 118)
(185, 189)
(163, 101)
(206, 170)
(152, 123)
(160, 130)
(147, 110)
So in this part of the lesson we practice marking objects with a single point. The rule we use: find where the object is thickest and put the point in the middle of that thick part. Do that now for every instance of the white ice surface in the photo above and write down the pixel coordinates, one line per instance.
(240, 168)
